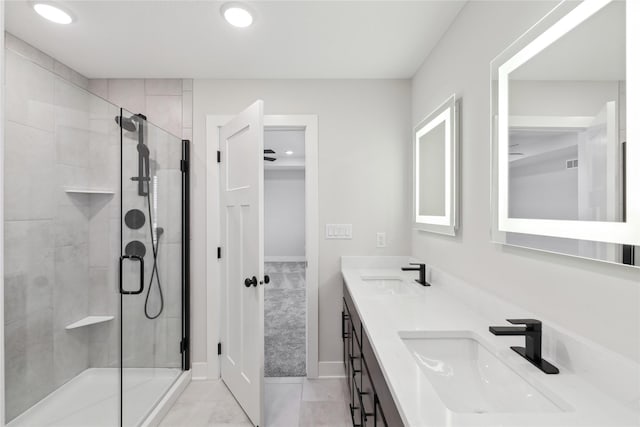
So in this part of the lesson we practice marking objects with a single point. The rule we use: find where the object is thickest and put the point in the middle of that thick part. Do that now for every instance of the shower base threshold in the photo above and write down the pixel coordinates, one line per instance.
(92, 399)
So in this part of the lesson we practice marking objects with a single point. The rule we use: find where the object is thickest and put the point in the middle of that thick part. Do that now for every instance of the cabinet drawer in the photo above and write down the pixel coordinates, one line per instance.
(346, 343)
(355, 360)
(389, 412)
(355, 320)
(367, 398)
(354, 403)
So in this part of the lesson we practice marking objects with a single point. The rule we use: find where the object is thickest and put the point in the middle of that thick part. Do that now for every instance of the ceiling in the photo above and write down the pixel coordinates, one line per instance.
(282, 140)
(289, 39)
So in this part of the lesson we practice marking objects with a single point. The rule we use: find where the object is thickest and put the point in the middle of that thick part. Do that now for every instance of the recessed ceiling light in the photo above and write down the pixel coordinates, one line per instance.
(288, 152)
(237, 14)
(53, 13)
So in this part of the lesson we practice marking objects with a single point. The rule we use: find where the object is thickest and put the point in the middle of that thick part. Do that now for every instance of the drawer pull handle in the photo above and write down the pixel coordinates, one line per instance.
(365, 414)
(352, 409)
(353, 367)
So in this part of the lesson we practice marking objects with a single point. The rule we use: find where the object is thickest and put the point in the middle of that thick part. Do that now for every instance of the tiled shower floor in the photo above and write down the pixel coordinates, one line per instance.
(92, 399)
(285, 320)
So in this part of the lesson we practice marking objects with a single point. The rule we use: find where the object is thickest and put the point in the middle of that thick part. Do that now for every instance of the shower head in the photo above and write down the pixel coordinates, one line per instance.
(126, 123)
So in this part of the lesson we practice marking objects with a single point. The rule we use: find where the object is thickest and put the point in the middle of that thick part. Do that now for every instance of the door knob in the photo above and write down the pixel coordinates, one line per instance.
(253, 281)
(267, 279)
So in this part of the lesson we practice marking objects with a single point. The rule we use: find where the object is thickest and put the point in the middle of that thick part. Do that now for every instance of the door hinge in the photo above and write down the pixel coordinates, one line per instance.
(184, 166)
(219, 156)
(219, 348)
(219, 252)
(184, 345)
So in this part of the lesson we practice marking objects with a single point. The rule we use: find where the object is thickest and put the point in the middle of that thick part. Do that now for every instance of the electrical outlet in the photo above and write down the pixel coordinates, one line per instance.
(381, 239)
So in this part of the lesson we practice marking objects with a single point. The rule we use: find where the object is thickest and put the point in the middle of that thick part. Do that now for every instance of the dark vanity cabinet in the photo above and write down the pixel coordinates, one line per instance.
(370, 401)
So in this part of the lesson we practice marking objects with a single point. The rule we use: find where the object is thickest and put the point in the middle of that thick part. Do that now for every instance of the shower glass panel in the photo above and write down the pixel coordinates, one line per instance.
(78, 351)
(151, 293)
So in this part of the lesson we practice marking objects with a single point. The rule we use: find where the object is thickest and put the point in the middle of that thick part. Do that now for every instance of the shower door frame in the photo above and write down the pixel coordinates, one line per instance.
(185, 342)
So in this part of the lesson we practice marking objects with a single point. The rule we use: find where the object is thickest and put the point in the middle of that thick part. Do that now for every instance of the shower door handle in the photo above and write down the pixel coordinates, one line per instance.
(141, 287)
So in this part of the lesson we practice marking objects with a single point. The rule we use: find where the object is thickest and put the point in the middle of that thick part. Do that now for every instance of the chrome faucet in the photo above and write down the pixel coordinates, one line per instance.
(422, 268)
(532, 331)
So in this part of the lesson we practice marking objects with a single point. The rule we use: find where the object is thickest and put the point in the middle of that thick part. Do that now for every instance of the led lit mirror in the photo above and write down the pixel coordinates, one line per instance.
(435, 167)
(565, 169)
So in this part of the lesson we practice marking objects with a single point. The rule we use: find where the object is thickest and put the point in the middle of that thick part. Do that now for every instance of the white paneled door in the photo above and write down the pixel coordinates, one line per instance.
(242, 273)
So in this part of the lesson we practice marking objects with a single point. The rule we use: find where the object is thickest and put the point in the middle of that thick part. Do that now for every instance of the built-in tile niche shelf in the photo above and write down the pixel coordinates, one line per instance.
(89, 191)
(89, 320)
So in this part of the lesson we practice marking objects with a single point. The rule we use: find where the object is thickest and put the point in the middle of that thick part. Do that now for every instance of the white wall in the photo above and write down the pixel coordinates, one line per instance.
(284, 216)
(364, 150)
(598, 301)
(2, 213)
(542, 187)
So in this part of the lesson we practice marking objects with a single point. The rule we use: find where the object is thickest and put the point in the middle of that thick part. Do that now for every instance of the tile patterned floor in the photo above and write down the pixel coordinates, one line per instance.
(293, 402)
(285, 320)
(289, 402)
(206, 404)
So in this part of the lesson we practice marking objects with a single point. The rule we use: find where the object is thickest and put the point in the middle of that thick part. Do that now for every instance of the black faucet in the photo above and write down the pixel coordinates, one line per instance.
(532, 332)
(423, 272)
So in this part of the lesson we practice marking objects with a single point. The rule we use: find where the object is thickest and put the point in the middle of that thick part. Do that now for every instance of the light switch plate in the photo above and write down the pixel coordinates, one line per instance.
(338, 231)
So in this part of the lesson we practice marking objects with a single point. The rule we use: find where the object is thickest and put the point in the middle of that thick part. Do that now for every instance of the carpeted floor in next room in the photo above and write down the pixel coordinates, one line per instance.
(285, 320)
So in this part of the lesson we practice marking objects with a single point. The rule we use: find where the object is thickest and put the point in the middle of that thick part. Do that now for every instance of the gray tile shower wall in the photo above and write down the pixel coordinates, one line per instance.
(48, 134)
(167, 103)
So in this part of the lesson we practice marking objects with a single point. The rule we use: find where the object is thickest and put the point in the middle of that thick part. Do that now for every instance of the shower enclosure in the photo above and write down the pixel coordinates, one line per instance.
(96, 256)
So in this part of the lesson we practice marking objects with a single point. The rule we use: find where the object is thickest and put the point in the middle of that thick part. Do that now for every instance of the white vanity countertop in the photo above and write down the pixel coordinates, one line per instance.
(437, 309)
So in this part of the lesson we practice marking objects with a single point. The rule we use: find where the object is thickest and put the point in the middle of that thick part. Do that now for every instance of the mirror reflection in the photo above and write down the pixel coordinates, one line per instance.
(567, 122)
(431, 160)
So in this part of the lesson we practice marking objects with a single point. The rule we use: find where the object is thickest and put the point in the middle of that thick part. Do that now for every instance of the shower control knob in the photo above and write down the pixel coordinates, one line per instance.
(253, 281)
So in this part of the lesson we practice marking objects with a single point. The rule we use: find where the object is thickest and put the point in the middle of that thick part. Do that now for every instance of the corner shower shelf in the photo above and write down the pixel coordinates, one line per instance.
(88, 191)
(89, 320)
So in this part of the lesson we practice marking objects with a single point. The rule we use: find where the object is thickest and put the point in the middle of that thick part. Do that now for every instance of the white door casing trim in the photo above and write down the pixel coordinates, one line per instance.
(310, 124)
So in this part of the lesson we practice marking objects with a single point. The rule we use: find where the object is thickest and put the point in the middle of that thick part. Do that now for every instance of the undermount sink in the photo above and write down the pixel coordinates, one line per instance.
(471, 379)
(388, 285)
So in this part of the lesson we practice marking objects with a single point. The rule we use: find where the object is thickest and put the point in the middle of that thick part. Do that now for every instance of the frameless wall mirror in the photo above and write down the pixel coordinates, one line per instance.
(435, 147)
(565, 158)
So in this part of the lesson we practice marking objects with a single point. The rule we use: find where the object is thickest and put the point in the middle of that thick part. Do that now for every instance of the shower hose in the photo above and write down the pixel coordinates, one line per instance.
(154, 271)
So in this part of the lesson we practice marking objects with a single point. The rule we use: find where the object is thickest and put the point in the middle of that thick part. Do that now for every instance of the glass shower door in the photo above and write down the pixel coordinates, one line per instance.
(151, 265)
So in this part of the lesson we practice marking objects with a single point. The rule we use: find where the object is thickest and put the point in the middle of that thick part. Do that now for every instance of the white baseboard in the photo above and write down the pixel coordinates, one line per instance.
(199, 371)
(285, 258)
(165, 404)
(331, 369)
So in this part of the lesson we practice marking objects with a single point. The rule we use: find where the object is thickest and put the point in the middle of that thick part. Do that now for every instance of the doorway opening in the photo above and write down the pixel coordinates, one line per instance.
(285, 311)
(240, 354)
